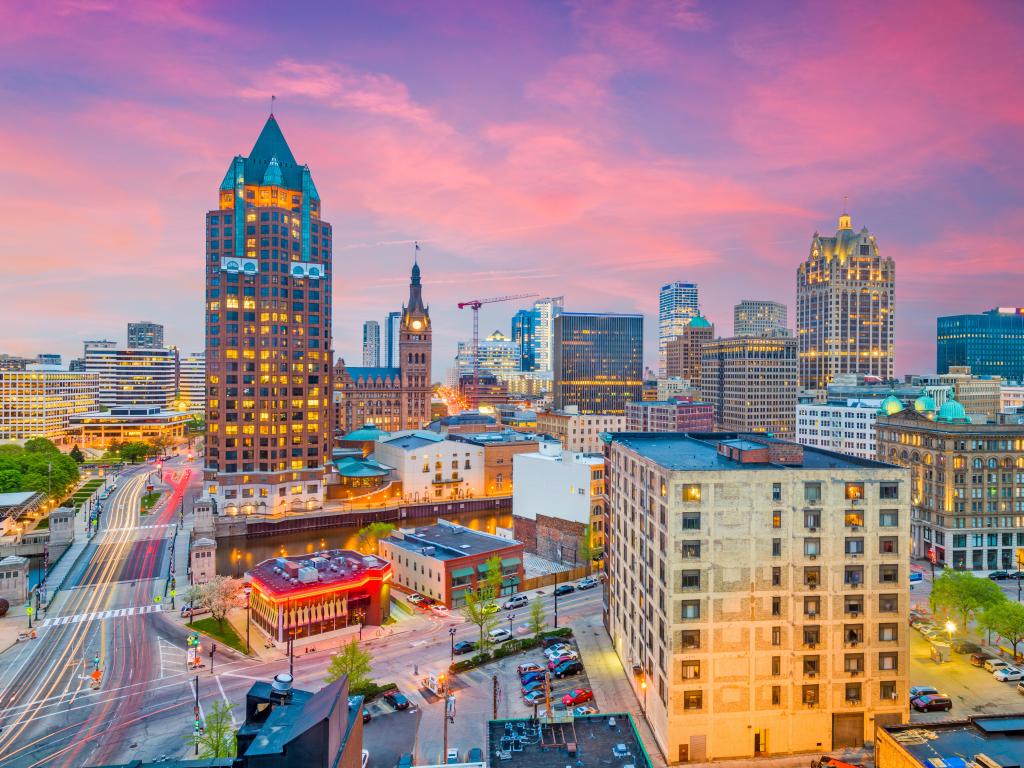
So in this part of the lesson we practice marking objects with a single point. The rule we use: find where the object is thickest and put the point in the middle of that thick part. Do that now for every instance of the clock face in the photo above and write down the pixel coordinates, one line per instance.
(417, 324)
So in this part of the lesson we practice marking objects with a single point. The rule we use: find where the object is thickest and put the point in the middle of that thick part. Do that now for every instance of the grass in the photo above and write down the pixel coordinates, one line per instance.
(150, 499)
(225, 634)
(43, 524)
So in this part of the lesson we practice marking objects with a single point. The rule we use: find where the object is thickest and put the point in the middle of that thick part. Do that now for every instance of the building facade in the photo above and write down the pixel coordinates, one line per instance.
(141, 376)
(145, 335)
(674, 415)
(758, 591)
(128, 423)
(683, 351)
(756, 317)
(598, 361)
(977, 394)
(544, 313)
(40, 403)
(579, 432)
(499, 356)
(192, 381)
(429, 466)
(991, 343)
(846, 307)
(371, 344)
(500, 450)
(967, 482)
(392, 332)
(395, 398)
(523, 336)
(1011, 398)
(268, 333)
(752, 384)
(677, 305)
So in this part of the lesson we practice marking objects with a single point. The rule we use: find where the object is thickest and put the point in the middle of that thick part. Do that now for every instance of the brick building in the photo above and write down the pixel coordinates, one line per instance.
(672, 415)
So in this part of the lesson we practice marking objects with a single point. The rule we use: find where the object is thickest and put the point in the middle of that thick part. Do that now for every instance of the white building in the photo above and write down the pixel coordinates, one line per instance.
(677, 305)
(132, 376)
(39, 401)
(545, 311)
(757, 317)
(677, 387)
(429, 466)
(844, 427)
(192, 380)
(392, 331)
(498, 355)
(1011, 397)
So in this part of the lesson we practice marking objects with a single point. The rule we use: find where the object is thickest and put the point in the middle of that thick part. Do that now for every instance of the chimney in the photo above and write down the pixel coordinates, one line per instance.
(281, 688)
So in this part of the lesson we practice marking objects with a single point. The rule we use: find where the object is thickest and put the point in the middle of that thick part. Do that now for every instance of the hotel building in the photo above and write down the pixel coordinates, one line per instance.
(758, 592)
(40, 403)
(598, 361)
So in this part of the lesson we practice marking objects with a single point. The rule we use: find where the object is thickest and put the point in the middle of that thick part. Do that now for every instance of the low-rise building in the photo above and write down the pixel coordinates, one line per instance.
(429, 466)
(511, 416)
(499, 450)
(672, 415)
(1011, 398)
(677, 387)
(446, 560)
(467, 422)
(982, 741)
(40, 401)
(579, 432)
(977, 394)
(555, 739)
(758, 590)
(127, 423)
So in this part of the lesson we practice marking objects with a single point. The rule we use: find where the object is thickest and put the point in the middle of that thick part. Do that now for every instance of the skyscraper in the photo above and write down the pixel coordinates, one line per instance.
(683, 352)
(145, 335)
(268, 334)
(523, 329)
(598, 361)
(371, 343)
(755, 317)
(846, 307)
(991, 343)
(545, 311)
(677, 305)
(192, 380)
(392, 330)
(132, 376)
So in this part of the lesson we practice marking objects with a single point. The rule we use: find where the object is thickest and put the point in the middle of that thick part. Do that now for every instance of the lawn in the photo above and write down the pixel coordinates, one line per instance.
(227, 635)
(150, 499)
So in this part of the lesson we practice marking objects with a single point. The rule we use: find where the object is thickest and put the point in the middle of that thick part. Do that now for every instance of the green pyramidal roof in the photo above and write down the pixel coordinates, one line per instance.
(273, 177)
(270, 162)
(699, 321)
(271, 144)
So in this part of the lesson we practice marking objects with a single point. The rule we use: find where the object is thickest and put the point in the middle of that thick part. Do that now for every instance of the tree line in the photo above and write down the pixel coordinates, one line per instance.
(967, 597)
(37, 466)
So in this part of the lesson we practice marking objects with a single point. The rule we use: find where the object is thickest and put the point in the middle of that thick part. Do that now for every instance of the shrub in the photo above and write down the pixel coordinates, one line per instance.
(370, 690)
(5, 606)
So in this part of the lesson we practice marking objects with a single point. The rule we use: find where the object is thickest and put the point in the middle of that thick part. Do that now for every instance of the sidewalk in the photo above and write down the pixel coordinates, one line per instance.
(54, 580)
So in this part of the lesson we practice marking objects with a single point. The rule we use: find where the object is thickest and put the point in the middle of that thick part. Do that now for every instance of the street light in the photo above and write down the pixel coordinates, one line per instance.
(511, 618)
(451, 633)
(248, 591)
(950, 628)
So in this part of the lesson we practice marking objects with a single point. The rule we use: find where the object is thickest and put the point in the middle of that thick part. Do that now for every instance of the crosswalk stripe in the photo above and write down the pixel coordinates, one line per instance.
(113, 613)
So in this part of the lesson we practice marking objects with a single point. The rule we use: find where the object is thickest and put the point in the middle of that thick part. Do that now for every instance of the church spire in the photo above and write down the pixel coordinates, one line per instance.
(415, 306)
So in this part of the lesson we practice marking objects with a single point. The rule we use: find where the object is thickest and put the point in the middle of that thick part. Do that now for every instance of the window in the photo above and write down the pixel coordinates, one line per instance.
(812, 520)
(854, 518)
(854, 545)
(776, 666)
(777, 519)
(812, 547)
(887, 689)
(888, 545)
(690, 549)
(888, 632)
(889, 491)
(693, 699)
(776, 577)
(812, 636)
(690, 579)
(689, 639)
(776, 547)
(812, 493)
(776, 695)
(691, 521)
(812, 576)
(809, 695)
(689, 609)
(888, 603)
(776, 635)
(776, 491)
(811, 666)
(691, 670)
(887, 661)
(812, 606)
(853, 576)
(854, 491)
(854, 605)
(853, 693)
(776, 606)
(888, 574)
(888, 518)
(691, 493)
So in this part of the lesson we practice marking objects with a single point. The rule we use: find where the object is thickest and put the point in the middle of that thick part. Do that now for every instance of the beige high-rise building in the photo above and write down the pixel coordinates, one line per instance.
(683, 351)
(752, 384)
(845, 307)
(758, 592)
(757, 317)
(40, 401)
(977, 394)
(579, 432)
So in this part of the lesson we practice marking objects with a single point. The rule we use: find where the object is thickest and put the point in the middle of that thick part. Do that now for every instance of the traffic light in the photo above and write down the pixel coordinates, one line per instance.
(213, 649)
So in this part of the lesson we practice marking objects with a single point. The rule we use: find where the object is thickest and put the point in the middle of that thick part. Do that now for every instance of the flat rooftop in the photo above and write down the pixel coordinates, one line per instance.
(1001, 737)
(292, 576)
(581, 742)
(495, 438)
(700, 451)
(450, 541)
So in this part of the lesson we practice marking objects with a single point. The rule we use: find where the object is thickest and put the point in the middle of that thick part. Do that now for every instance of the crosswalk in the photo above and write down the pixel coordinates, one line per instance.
(161, 526)
(114, 613)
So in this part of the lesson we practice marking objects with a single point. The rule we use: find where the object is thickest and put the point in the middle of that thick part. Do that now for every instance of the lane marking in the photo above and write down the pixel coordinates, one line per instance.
(113, 613)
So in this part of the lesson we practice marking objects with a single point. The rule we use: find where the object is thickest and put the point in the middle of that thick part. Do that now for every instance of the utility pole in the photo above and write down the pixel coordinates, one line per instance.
(556, 601)
(449, 716)
(494, 696)
(213, 650)
(195, 711)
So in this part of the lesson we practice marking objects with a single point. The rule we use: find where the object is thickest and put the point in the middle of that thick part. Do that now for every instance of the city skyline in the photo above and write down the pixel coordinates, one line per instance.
(384, 130)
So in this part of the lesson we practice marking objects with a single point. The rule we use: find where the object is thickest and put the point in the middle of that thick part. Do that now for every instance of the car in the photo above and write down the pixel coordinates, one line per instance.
(577, 696)
(490, 608)
(187, 610)
(587, 583)
(556, 649)
(499, 635)
(564, 589)
(991, 665)
(415, 598)
(932, 703)
(529, 666)
(440, 609)
(922, 690)
(452, 756)
(366, 715)
(562, 659)
(620, 751)
(567, 668)
(979, 658)
(916, 576)
(1016, 575)
(533, 685)
(826, 761)
(582, 711)
(365, 758)
(475, 755)
(963, 646)
(516, 601)
(534, 697)
(1008, 674)
(404, 760)
(396, 699)
(464, 646)
(999, 575)
(549, 640)
(530, 677)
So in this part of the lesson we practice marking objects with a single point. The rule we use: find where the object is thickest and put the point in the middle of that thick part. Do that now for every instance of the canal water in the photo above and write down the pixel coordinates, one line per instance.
(237, 554)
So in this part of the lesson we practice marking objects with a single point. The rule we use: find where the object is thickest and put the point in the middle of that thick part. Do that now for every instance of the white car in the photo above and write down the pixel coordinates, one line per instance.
(558, 650)
(415, 598)
(440, 609)
(994, 665)
(1008, 674)
(452, 756)
(499, 635)
(588, 583)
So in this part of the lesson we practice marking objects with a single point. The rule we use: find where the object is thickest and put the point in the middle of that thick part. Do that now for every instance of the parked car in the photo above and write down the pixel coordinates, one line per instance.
(499, 635)
(582, 711)
(415, 598)
(922, 690)
(366, 715)
(564, 589)
(404, 761)
(187, 610)
(916, 576)
(464, 646)
(963, 646)
(534, 697)
(533, 685)
(557, 649)
(530, 677)
(516, 601)
(978, 659)
(999, 575)
(562, 659)
(577, 696)
(1017, 575)
(365, 758)
(529, 666)
(452, 756)
(440, 609)
(396, 699)
(587, 583)
(475, 755)
(1008, 674)
(567, 668)
(827, 761)
(932, 703)
(550, 640)
(995, 664)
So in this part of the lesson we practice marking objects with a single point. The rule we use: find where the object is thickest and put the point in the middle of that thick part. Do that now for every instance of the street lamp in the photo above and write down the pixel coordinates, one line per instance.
(248, 591)
(511, 618)
(451, 633)
(950, 628)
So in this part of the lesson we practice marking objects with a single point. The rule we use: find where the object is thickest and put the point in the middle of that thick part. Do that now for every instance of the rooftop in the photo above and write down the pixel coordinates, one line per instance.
(413, 439)
(449, 540)
(1000, 737)
(16, 499)
(699, 451)
(300, 574)
(493, 438)
(582, 742)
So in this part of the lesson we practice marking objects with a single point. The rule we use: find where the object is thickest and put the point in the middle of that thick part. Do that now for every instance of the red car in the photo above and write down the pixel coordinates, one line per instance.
(564, 657)
(577, 696)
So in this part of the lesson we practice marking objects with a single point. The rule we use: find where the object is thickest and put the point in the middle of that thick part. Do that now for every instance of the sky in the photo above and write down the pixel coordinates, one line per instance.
(595, 150)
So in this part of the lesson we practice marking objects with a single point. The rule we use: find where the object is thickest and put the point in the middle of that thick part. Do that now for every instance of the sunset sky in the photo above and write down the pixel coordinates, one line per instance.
(596, 150)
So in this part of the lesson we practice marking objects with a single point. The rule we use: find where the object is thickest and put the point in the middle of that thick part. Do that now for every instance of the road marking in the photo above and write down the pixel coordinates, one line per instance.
(114, 613)
(231, 710)
(140, 528)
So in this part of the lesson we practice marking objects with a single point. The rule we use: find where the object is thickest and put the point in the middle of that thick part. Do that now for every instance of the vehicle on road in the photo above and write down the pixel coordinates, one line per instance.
(415, 598)
(564, 589)
(452, 756)
(499, 635)
(365, 758)
(978, 659)
(516, 601)
(529, 666)
(534, 697)
(1008, 674)
(991, 665)
(475, 755)
(490, 608)
(916, 576)
(567, 668)
(1017, 575)
(581, 711)
(366, 715)
(577, 696)
(588, 583)
(439, 608)
(922, 690)
(964, 646)
(999, 575)
(396, 699)
(464, 646)
(932, 703)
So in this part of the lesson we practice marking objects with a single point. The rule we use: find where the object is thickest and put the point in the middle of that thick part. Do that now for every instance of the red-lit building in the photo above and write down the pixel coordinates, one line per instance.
(672, 415)
(310, 595)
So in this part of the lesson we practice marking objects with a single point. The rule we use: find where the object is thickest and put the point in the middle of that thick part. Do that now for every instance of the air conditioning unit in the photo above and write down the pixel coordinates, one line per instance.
(855, 613)
(853, 701)
(812, 645)
(813, 530)
(812, 614)
(813, 557)
(812, 674)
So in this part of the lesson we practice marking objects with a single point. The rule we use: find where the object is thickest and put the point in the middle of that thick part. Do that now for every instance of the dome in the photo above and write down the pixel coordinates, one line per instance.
(924, 404)
(366, 433)
(890, 405)
(699, 321)
(951, 410)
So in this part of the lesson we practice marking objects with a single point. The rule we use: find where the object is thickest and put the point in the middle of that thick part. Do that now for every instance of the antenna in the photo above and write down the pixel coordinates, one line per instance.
(272, 100)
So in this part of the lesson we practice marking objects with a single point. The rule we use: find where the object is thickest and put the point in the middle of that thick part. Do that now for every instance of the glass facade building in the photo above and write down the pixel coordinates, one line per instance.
(677, 306)
(991, 343)
(598, 361)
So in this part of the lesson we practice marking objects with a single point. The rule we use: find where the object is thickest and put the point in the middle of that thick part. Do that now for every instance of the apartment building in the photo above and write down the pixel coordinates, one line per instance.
(40, 401)
(758, 592)
(578, 432)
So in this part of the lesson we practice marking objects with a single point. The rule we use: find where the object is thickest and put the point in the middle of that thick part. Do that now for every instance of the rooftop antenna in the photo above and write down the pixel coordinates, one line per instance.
(272, 100)
(846, 204)
(415, 251)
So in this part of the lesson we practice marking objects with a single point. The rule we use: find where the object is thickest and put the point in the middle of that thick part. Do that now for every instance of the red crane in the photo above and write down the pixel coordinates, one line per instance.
(475, 305)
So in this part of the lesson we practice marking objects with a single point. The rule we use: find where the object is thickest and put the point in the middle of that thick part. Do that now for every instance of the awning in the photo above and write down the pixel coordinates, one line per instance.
(459, 573)
(511, 561)
(482, 567)
(510, 580)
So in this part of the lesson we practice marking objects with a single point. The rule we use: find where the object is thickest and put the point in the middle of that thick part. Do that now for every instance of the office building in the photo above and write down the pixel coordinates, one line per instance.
(977, 394)
(846, 308)
(968, 490)
(392, 333)
(673, 415)
(192, 381)
(391, 398)
(76, 365)
(51, 360)
(845, 427)
(579, 432)
(126, 424)
(754, 317)
(545, 311)
(598, 361)
(371, 344)
(499, 356)
(14, 362)
(991, 343)
(446, 560)
(140, 376)
(683, 351)
(145, 335)
(500, 449)
(1011, 398)
(752, 384)
(757, 592)
(677, 305)
(977, 741)
(523, 336)
(268, 333)
(40, 401)
(677, 387)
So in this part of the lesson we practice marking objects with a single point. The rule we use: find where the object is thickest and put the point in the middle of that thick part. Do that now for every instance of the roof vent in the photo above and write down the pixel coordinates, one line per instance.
(281, 687)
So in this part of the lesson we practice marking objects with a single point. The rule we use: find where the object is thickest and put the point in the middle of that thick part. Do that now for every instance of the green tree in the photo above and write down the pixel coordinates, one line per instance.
(1007, 621)
(40, 445)
(537, 617)
(493, 579)
(479, 610)
(219, 595)
(369, 536)
(585, 550)
(353, 661)
(218, 736)
(76, 454)
(964, 595)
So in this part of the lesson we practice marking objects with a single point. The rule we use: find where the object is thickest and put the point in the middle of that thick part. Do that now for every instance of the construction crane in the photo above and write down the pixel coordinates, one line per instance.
(475, 305)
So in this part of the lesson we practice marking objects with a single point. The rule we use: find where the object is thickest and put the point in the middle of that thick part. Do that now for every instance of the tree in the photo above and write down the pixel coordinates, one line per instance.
(219, 595)
(493, 579)
(1007, 621)
(218, 737)
(536, 617)
(40, 445)
(478, 611)
(134, 452)
(76, 454)
(5, 606)
(353, 661)
(586, 546)
(369, 536)
(161, 443)
(964, 595)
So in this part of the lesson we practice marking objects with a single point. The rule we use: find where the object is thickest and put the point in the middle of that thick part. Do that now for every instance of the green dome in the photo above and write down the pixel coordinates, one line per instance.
(890, 405)
(366, 433)
(699, 321)
(924, 404)
(951, 410)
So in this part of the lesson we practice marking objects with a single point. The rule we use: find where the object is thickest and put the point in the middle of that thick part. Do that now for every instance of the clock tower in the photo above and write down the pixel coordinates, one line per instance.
(414, 349)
